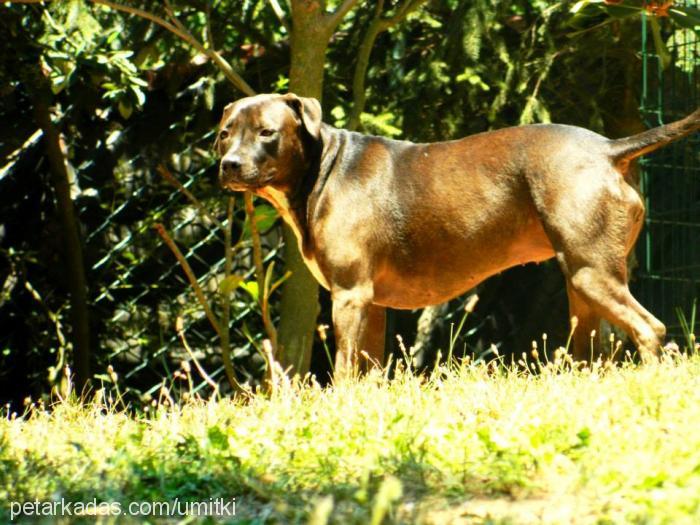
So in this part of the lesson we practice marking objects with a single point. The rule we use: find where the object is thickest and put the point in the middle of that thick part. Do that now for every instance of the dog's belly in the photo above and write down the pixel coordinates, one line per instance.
(445, 272)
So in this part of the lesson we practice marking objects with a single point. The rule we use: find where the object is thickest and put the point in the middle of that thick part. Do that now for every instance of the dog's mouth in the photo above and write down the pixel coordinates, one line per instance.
(245, 183)
(233, 188)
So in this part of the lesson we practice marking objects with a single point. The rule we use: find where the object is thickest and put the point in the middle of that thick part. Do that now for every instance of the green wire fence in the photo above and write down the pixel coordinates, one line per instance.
(668, 251)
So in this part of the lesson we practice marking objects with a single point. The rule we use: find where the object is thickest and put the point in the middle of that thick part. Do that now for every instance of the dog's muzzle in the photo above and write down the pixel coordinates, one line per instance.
(231, 164)
(231, 173)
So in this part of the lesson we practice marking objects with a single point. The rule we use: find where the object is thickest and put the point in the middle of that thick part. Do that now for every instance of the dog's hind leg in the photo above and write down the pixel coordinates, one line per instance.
(607, 295)
(592, 236)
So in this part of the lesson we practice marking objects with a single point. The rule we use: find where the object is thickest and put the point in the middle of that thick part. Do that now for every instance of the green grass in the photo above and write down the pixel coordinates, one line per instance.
(473, 444)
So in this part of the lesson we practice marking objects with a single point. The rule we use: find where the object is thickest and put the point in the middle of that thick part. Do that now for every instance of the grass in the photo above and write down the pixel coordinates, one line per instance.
(475, 443)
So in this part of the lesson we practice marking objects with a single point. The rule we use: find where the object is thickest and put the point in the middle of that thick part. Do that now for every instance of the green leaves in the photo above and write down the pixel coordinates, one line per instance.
(79, 50)
(340, 117)
(390, 491)
(126, 89)
(229, 284)
(687, 17)
(381, 124)
(618, 9)
(473, 78)
(217, 438)
(79, 18)
(589, 13)
(265, 217)
(252, 288)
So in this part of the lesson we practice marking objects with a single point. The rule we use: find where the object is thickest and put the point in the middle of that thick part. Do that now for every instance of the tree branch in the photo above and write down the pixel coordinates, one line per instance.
(210, 34)
(184, 33)
(378, 25)
(16, 155)
(358, 82)
(177, 29)
(274, 4)
(72, 247)
(333, 19)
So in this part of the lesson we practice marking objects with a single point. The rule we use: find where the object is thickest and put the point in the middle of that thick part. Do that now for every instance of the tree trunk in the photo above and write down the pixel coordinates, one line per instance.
(300, 307)
(72, 248)
(309, 41)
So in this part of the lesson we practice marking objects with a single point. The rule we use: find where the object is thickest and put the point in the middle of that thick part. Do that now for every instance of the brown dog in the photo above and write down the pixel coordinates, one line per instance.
(386, 223)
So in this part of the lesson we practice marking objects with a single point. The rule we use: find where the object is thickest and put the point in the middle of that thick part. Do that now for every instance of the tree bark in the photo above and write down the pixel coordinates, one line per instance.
(309, 41)
(72, 247)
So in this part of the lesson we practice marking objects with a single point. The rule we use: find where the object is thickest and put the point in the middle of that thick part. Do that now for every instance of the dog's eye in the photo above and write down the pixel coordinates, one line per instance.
(223, 134)
(267, 132)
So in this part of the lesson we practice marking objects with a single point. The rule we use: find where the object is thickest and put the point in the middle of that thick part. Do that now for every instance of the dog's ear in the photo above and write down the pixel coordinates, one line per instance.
(309, 111)
(224, 117)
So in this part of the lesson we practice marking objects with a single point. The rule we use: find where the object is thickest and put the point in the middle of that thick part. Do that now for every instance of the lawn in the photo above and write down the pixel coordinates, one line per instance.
(473, 443)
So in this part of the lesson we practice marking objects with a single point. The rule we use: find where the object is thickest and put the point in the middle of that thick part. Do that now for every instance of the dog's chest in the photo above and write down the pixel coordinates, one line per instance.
(281, 204)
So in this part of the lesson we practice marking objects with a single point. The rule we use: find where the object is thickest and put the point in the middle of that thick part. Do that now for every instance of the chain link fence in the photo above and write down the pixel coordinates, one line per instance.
(138, 288)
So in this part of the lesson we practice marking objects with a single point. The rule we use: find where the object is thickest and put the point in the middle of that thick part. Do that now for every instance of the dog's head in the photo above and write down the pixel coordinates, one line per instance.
(262, 141)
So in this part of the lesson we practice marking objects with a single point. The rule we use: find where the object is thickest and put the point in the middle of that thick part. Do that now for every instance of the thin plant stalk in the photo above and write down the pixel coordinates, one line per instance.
(260, 271)
(688, 327)
(190, 276)
(574, 324)
(323, 335)
(165, 173)
(224, 334)
(199, 294)
(179, 327)
(229, 248)
(468, 308)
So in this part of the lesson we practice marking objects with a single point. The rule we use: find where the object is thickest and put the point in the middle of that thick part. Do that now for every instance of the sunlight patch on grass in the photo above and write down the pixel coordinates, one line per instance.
(473, 442)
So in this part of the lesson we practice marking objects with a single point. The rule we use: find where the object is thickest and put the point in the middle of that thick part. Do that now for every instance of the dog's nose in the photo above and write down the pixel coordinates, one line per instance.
(231, 163)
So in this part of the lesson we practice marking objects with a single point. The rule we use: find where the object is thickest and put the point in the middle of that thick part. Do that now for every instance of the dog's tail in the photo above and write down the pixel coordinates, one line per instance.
(629, 148)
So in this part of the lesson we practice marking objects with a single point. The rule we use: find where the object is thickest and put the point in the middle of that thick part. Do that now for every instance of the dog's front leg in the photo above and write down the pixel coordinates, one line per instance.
(359, 326)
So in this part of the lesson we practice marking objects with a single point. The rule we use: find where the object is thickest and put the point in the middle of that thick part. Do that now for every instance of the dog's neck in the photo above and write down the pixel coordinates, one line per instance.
(297, 205)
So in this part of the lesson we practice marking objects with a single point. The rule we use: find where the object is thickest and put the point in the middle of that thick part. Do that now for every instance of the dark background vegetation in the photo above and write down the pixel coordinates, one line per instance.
(127, 96)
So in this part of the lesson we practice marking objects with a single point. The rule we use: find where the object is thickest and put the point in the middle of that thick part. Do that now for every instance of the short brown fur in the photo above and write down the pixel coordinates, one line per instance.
(385, 223)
